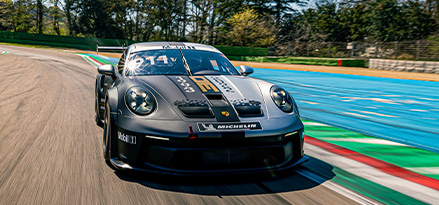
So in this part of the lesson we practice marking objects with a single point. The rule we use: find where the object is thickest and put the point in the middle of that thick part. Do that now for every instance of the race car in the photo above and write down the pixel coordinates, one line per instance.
(184, 109)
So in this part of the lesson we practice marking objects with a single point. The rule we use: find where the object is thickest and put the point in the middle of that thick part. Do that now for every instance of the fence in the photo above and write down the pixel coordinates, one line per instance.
(407, 50)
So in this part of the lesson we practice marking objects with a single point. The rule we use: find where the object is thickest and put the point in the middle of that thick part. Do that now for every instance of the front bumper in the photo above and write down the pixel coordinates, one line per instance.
(204, 156)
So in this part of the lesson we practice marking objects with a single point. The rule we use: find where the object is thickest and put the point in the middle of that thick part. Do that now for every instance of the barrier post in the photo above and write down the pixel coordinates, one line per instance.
(396, 49)
(307, 48)
(329, 50)
(376, 49)
(352, 50)
(417, 49)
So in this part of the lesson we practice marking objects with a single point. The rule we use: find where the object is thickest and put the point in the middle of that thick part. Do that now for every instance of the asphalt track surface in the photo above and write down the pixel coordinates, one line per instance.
(50, 148)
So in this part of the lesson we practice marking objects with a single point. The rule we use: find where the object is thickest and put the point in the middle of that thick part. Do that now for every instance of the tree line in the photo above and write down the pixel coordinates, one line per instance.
(226, 22)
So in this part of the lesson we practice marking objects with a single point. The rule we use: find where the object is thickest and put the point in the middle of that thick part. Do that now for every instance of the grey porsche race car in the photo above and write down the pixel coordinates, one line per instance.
(183, 108)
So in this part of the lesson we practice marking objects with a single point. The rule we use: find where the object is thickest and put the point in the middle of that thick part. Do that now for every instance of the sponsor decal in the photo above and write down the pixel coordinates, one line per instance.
(205, 85)
(221, 127)
(220, 82)
(186, 86)
(130, 139)
(179, 46)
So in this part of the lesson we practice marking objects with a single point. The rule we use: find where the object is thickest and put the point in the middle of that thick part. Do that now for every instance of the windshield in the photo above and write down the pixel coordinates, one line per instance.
(170, 62)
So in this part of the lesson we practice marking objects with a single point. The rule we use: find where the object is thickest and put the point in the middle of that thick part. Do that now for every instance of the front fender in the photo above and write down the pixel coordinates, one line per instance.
(112, 98)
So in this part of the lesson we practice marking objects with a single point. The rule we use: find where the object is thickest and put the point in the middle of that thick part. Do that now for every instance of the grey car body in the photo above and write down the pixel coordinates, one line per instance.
(182, 108)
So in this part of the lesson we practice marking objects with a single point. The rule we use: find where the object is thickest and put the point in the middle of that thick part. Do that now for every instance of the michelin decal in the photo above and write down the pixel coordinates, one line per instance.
(221, 127)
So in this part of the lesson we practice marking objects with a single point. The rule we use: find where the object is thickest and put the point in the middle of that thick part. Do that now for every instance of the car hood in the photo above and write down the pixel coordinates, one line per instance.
(236, 92)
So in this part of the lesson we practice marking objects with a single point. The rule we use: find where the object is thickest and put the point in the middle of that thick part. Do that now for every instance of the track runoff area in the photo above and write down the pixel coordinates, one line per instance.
(378, 136)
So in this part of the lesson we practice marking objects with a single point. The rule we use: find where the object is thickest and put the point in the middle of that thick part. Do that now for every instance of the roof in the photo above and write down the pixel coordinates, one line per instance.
(171, 45)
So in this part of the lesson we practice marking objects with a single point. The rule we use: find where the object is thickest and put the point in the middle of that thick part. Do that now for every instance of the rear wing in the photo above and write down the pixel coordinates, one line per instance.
(110, 48)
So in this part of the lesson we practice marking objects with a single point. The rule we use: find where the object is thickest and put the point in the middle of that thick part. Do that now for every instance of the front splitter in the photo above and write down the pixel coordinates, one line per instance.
(120, 165)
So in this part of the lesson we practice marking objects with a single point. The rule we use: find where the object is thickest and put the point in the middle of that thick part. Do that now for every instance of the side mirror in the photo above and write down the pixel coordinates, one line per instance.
(246, 70)
(107, 69)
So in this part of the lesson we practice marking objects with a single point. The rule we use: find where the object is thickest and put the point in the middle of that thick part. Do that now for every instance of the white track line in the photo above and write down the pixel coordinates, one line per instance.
(363, 140)
(315, 124)
(424, 170)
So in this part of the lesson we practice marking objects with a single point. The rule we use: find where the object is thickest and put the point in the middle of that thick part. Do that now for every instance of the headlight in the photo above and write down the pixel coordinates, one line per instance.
(140, 101)
(282, 99)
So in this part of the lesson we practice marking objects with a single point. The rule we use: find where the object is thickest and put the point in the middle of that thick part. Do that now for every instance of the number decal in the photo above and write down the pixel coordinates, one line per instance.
(186, 86)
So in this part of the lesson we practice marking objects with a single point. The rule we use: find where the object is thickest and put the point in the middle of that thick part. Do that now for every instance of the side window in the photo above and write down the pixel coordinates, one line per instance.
(121, 63)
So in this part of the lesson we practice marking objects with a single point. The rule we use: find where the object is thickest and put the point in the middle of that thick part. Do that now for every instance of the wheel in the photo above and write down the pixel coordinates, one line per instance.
(97, 109)
(97, 118)
(109, 139)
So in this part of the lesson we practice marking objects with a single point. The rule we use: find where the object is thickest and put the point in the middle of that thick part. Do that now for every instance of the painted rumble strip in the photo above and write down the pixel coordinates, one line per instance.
(372, 182)
(417, 160)
(97, 61)
(92, 61)
(376, 163)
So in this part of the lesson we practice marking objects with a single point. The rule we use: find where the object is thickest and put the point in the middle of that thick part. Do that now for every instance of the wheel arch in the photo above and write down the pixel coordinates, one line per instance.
(112, 99)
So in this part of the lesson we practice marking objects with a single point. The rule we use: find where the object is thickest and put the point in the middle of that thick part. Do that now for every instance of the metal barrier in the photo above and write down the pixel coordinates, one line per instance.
(110, 48)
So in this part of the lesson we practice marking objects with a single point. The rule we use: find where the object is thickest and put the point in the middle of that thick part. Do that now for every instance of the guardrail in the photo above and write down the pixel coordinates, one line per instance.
(401, 65)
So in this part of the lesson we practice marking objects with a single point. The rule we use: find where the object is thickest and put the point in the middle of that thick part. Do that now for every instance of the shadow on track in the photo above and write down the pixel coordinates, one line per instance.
(231, 185)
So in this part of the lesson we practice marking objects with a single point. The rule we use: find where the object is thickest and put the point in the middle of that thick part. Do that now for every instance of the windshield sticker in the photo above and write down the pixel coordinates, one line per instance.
(179, 47)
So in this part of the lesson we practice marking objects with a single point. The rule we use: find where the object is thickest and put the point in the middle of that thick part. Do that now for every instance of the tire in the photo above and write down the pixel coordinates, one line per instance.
(109, 139)
(97, 118)
(97, 109)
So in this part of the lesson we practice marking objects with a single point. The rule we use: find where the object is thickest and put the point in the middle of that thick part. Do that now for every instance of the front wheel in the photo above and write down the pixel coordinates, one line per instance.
(109, 141)
(97, 111)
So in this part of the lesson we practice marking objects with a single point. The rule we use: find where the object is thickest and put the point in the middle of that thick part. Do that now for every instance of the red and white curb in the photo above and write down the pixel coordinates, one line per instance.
(414, 185)
(91, 60)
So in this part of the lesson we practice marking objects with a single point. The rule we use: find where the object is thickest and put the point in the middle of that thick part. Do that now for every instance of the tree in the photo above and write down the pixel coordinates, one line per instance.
(250, 29)
(356, 19)
(6, 10)
(40, 12)
(419, 23)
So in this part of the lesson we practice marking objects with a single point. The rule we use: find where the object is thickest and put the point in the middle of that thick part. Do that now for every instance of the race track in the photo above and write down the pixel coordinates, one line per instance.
(50, 149)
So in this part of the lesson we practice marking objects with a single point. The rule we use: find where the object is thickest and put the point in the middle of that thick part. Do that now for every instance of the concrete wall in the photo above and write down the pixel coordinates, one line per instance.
(401, 65)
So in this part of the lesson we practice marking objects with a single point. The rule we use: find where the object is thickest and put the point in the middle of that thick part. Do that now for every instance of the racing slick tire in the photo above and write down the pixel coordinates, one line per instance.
(97, 109)
(109, 137)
